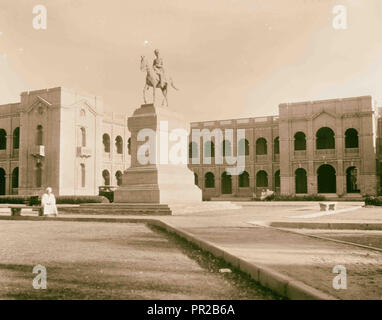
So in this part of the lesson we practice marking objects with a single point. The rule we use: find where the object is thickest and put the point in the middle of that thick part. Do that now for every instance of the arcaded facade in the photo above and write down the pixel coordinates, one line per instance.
(329, 147)
(62, 139)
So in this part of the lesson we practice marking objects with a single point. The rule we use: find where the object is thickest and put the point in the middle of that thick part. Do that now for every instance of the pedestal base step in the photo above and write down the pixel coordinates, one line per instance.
(119, 209)
(149, 209)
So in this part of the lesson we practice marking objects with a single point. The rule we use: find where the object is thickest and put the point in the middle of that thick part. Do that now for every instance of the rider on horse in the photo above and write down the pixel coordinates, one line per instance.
(158, 68)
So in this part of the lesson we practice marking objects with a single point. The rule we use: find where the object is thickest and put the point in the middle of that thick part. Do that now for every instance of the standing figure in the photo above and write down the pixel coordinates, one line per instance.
(48, 203)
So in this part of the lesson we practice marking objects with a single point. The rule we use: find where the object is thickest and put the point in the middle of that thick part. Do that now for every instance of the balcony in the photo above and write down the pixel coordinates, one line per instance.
(84, 152)
(38, 151)
(261, 158)
(352, 152)
(325, 153)
(300, 154)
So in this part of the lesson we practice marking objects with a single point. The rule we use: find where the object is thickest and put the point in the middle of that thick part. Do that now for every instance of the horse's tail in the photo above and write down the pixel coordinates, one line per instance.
(172, 84)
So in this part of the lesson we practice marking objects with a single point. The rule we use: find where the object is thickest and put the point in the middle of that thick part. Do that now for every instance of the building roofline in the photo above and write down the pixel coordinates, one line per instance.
(326, 100)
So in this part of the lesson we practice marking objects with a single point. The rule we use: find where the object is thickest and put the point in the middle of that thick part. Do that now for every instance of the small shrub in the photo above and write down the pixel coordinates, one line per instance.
(373, 201)
(107, 194)
(36, 200)
(81, 199)
(15, 199)
(270, 197)
(312, 197)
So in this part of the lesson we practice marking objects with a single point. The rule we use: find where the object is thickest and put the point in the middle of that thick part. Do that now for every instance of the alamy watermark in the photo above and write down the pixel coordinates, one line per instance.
(40, 281)
(340, 280)
(174, 147)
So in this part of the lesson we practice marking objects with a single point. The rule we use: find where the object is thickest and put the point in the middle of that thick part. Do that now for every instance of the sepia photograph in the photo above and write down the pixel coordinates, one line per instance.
(196, 157)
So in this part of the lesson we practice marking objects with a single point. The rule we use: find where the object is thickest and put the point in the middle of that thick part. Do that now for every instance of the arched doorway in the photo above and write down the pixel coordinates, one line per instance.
(2, 181)
(15, 178)
(352, 180)
(209, 180)
(301, 181)
(261, 179)
(244, 180)
(326, 179)
(277, 179)
(226, 183)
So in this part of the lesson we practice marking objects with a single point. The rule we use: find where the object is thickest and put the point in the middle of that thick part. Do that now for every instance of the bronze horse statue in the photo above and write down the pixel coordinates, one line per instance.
(153, 80)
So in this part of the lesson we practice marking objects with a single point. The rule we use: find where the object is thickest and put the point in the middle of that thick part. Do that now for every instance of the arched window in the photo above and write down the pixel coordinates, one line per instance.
(15, 178)
(83, 175)
(209, 149)
(38, 175)
(119, 144)
(106, 142)
(106, 178)
(16, 138)
(226, 150)
(244, 180)
(261, 179)
(351, 138)
(83, 137)
(209, 180)
(301, 181)
(243, 147)
(193, 151)
(40, 134)
(118, 176)
(325, 138)
(196, 179)
(277, 179)
(261, 146)
(129, 146)
(299, 141)
(3, 139)
(276, 146)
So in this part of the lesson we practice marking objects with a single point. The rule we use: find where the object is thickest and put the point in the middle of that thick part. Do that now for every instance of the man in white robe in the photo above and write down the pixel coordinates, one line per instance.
(48, 203)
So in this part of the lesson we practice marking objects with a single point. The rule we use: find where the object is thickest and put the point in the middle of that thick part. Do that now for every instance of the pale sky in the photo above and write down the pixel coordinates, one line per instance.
(230, 58)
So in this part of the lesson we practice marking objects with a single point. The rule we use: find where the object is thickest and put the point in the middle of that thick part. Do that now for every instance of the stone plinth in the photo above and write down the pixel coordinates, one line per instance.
(158, 172)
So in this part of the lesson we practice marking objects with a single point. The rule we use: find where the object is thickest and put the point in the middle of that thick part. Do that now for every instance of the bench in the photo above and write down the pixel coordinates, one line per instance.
(328, 206)
(17, 208)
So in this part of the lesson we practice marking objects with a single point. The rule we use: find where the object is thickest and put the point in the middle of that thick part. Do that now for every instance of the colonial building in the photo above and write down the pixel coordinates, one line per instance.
(329, 147)
(62, 139)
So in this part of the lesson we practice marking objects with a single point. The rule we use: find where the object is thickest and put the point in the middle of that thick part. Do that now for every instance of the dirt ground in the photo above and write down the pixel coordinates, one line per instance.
(112, 261)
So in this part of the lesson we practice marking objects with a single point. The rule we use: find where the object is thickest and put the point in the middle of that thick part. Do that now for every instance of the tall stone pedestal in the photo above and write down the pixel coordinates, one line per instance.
(158, 172)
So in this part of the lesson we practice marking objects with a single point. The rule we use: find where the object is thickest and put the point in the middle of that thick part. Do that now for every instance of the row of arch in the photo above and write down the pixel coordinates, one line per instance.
(326, 180)
(14, 177)
(243, 180)
(106, 177)
(16, 139)
(324, 140)
(118, 144)
(243, 148)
